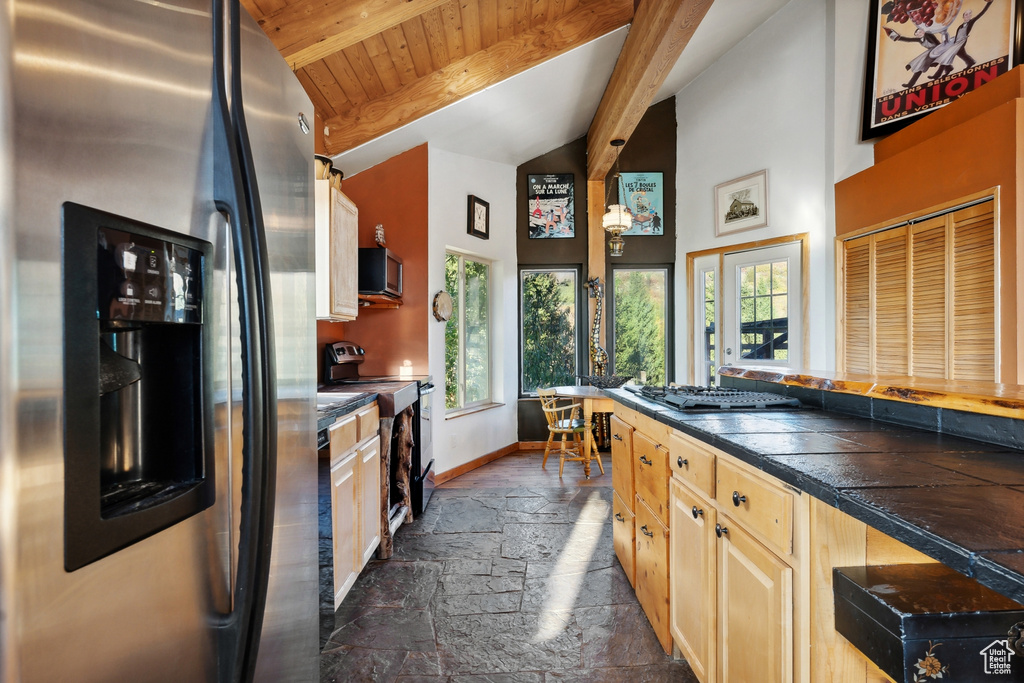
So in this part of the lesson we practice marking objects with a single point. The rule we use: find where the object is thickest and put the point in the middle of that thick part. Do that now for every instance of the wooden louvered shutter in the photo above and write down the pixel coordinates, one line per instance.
(856, 302)
(973, 284)
(890, 302)
(920, 300)
(928, 298)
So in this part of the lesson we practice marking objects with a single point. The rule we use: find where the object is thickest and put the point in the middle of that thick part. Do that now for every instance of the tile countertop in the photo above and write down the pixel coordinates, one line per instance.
(330, 406)
(958, 500)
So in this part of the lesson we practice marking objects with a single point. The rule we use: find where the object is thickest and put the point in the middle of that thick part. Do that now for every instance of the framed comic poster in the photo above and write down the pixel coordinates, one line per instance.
(551, 205)
(742, 204)
(924, 54)
(644, 197)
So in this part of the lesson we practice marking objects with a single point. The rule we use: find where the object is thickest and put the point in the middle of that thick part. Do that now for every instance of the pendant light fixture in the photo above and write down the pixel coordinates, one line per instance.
(618, 219)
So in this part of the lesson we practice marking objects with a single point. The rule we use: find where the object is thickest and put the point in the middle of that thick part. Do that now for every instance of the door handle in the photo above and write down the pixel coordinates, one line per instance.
(618, 516)
(645, 461)
(720, 530)
(616, 437)
(645, 532)
(737, 498)
(696, 513)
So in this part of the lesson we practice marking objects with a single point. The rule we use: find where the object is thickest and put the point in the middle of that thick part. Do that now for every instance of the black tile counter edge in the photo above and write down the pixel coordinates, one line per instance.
(999, 578)
(1003, 431)
(325, 418)
(986, 571)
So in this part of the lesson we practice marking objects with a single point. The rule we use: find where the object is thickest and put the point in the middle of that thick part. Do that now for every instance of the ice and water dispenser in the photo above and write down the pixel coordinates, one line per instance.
(138, 428)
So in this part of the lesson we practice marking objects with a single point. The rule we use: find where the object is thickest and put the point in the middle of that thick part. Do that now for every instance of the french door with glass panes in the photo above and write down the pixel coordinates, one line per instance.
(761, 307)
(747, 309)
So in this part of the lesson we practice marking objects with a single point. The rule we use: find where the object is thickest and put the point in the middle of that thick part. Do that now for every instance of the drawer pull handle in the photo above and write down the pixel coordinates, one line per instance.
(618, 516)
(683, 463)
(645, 461)
(696, 512)
(646, 532)
(737, 498)
(617, 437)
(719, 530)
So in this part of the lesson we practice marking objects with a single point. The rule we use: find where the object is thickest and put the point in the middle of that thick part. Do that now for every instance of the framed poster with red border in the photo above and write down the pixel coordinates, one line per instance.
(924, 54)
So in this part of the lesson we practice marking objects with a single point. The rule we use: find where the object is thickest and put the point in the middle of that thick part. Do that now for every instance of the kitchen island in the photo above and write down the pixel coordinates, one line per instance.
(858, 475)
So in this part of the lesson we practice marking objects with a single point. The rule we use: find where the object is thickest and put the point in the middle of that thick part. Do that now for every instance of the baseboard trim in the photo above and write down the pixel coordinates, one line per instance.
(447, 475)
(532, 445)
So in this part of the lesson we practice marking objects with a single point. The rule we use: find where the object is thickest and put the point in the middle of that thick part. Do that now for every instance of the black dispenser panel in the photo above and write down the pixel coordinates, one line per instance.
(138, 430)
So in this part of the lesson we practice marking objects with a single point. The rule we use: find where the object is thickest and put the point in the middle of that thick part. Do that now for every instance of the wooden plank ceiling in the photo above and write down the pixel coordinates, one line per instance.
(371, 66)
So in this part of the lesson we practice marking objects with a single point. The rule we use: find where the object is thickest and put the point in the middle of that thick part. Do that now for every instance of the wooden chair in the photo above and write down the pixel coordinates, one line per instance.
(565, 419)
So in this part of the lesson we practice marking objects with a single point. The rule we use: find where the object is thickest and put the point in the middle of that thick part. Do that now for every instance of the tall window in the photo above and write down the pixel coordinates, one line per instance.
(467, 335)
(548, 315)
(709, 299)
(640, 312)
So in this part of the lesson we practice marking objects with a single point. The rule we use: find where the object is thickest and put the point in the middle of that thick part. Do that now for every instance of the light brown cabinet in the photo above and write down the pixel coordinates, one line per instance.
(623, 528)
(337, 265)
(694, 566)
(640, 530)
(355, 495)
(755, 609)
(733, 555)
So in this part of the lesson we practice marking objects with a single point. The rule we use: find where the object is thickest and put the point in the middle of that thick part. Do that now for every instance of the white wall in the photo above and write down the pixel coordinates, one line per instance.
(452, 177)
(786, 99)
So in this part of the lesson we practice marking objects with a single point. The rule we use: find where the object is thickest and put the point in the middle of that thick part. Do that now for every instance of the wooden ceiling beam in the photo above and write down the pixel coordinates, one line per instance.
(474, 73)
(660, 31)
(307, 31)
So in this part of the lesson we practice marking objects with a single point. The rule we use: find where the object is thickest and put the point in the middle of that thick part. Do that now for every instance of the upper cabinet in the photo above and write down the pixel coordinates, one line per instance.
(337, 267)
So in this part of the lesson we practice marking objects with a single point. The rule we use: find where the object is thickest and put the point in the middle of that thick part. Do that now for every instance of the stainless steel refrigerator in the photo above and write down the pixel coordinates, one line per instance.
(157, 369)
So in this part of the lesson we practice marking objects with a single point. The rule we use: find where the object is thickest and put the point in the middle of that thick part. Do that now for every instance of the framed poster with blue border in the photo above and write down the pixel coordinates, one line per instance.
(644, 197)
(924, 54)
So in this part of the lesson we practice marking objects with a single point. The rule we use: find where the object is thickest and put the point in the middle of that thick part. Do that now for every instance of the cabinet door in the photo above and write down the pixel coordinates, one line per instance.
(622, 460)
(692, 566)
(624, 537)
(652, 577)
(344, 257)
(755, 610)
(369, 500)
(345, 520)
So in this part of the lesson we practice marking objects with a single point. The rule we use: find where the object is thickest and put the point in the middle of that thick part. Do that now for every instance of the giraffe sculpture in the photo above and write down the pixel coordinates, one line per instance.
(598, 356)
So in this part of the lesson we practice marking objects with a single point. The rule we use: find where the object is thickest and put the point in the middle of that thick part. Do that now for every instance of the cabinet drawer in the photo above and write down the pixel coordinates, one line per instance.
(369, 421)
(624, 537)
(622, 463)
(693, 464)
(652, 579)
(650, 474)
(763, 508)
(344, 436)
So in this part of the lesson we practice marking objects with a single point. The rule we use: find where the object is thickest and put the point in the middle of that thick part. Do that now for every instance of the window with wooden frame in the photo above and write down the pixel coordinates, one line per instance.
(919, 298)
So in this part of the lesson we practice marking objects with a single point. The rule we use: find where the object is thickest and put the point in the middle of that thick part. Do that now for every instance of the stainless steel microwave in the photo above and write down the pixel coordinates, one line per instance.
(380, 271)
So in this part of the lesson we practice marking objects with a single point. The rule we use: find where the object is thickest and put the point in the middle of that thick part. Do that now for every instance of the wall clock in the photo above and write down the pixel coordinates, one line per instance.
(479, 218)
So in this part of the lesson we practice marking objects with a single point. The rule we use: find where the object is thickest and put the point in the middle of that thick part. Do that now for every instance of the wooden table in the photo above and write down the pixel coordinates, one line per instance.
(593, 400)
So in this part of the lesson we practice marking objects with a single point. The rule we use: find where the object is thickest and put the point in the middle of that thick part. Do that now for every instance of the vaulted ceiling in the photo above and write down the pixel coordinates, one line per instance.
(372, 66)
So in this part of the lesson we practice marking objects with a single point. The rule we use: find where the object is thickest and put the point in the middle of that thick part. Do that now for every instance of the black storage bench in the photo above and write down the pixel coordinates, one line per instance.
(918, 620)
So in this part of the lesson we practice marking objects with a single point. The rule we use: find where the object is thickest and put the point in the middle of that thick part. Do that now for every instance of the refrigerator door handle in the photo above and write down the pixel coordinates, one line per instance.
(238, 200)
(263, 516)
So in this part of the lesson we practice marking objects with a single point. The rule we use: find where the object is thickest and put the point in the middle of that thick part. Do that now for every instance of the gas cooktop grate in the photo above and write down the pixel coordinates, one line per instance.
(712, 397)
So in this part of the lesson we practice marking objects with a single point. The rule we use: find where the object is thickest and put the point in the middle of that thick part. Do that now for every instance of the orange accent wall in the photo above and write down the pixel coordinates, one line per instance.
(393, 193)
(969, 146)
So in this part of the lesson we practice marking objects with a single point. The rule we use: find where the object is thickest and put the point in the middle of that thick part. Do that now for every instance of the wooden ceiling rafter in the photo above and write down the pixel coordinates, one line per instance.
(377, 115)
(660, 31)
(307, 31)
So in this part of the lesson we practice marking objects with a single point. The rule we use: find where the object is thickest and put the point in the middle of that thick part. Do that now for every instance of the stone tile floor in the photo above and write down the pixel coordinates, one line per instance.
(514, 585)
